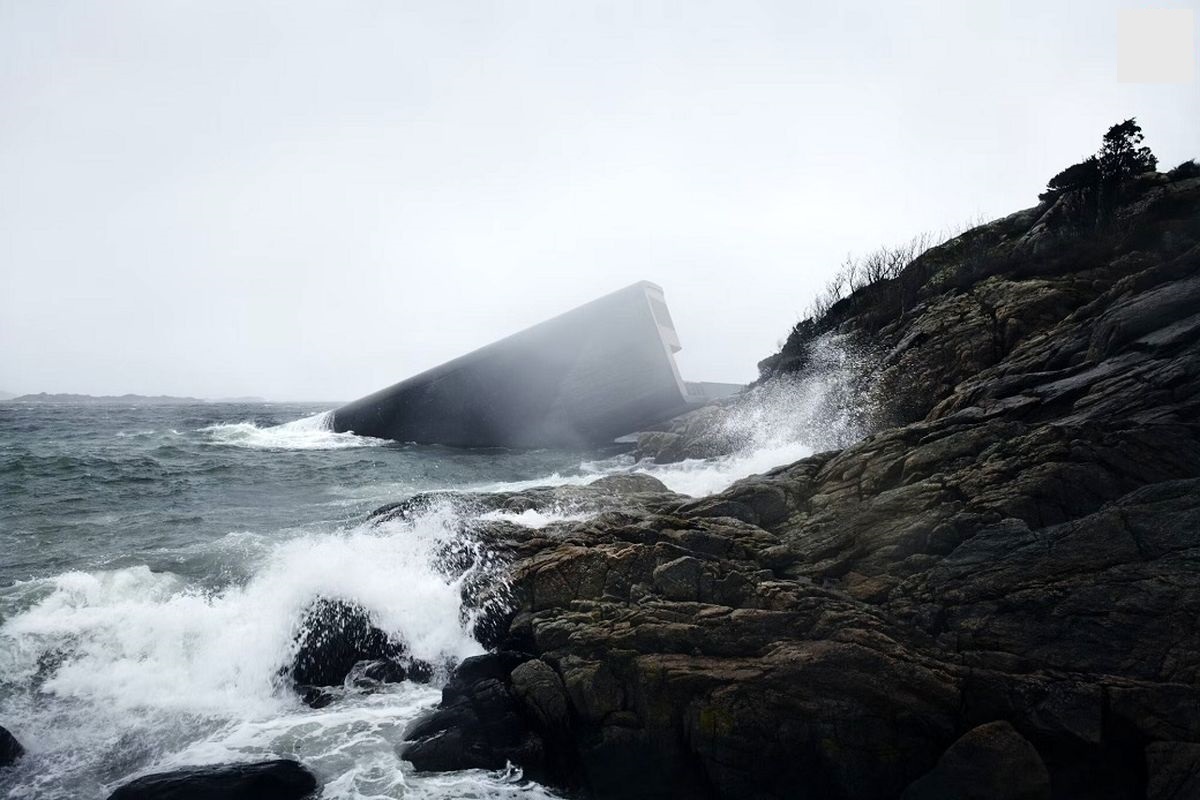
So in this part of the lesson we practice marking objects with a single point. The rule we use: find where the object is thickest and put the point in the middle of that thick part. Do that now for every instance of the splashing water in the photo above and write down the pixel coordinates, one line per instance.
(532, 518)
(824, 406)
(699, 477)
(784, 420)
(136, 664)
(309, 433)
(147, 615)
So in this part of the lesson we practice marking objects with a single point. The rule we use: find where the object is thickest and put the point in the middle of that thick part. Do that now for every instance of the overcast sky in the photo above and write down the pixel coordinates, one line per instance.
(313, 200)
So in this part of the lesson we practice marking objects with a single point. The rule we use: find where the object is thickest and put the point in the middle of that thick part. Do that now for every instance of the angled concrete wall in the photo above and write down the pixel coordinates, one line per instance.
(587, 376)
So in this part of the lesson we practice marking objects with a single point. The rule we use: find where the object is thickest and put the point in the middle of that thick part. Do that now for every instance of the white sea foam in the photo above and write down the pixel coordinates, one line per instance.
(314, 432)
(161, 670)
(136, 637)
(106, 674)
(699, 477)
(531, 518)
(553, 479)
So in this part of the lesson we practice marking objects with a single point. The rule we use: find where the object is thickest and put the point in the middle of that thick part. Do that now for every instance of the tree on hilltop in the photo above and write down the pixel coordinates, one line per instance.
(1099, 179)
(1122, 155)
(1077, 176)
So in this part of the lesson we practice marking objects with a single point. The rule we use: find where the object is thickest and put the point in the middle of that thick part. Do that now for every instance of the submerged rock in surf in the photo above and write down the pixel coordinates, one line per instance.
(282, 779)
(10, 748)
(337, 641)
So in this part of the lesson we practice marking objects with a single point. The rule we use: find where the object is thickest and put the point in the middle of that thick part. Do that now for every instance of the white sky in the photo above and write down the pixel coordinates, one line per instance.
(314, 200)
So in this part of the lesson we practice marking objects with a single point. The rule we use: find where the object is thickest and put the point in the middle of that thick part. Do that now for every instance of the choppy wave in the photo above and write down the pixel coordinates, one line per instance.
(107, 673)
(309, 433)
(144, 663)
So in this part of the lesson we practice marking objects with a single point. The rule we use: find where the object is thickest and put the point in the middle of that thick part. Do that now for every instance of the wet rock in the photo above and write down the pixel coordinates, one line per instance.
(471, 509)
(1173, 770)
(662, 447)
(10, 748)
(679, 579)
(630, 483)
(335, 638)
(805, 719)
(700, 433)
(485, 721)
(541, 692)
(1017, 541)
(410, 508)
(991, 762)
(265, 780)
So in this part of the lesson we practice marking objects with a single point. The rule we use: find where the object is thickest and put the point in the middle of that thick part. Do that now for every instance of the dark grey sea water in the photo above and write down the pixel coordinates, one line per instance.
(155, 561)
(90, 487)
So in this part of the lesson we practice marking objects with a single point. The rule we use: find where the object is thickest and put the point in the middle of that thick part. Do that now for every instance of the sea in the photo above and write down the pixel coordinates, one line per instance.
(156, 561)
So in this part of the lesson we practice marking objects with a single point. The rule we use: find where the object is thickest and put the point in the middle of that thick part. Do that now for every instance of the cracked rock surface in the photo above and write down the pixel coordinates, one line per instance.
(1006, 579)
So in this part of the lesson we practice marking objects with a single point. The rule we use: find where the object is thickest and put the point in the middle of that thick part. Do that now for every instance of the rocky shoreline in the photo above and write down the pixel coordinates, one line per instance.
(995, 595)
(992, 594)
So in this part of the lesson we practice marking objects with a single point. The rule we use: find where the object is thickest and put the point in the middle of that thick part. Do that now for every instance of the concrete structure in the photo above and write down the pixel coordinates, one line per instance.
(587, 376)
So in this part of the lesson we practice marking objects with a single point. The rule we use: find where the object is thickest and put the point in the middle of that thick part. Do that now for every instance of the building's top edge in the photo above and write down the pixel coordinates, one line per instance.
(516, 335)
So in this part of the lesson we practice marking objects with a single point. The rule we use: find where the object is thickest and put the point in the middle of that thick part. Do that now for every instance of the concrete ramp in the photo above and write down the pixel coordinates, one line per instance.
(597, 372)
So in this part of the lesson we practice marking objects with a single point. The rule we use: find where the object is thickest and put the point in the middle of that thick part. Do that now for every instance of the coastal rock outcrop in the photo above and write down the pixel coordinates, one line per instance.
(990, 762)
(1002, 576)
(602, 494)
(498, 708)
(338, 640)
(10, 748)
(264, 780)
(1174, 770)
(701, 433)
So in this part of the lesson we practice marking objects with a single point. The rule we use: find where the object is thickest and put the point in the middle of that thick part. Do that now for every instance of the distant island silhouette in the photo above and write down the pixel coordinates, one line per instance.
(137, 399)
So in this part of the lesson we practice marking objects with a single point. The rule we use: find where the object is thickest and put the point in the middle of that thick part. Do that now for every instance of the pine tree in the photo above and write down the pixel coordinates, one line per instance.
(1122, 154)
(1077, 176)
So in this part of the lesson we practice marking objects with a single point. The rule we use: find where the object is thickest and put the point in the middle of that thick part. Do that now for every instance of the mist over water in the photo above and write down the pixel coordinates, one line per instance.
(159, 561)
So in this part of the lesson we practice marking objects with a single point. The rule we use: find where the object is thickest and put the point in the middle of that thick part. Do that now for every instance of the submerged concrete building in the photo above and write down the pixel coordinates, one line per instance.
(597, 372)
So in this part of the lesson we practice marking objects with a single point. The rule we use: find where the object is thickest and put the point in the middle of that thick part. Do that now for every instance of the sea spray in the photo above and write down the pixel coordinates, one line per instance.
(141, 662)
(825, 406)
(534, 518)
(699, 477)
(148, 616)
(314, 432)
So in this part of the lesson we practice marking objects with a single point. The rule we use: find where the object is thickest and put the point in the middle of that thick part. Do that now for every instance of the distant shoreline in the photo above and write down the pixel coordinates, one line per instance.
(137, 399)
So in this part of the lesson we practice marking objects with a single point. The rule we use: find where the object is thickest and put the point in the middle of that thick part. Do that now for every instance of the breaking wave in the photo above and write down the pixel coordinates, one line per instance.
(106, 669)
(308, 433)
(113, 668)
